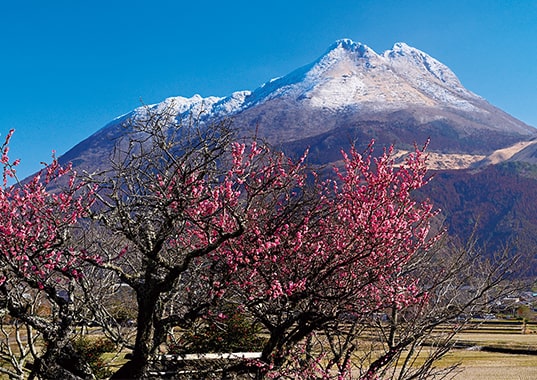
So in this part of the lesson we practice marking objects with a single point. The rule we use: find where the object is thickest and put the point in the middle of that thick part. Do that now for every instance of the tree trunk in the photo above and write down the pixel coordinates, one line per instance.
(393, 327)
(144, 347)
(61, 360)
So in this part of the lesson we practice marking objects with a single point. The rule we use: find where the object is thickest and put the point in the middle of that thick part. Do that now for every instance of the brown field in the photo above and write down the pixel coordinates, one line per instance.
(477, 365)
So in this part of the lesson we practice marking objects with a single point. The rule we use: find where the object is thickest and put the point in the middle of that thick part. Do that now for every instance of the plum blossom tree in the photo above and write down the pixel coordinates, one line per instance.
(309, 260)
(189, 220)
(174, 195)
(38, 264)
(350, 280)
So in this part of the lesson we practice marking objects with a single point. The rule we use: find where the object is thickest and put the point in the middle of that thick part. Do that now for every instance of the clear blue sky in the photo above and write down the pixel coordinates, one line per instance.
(68, 67)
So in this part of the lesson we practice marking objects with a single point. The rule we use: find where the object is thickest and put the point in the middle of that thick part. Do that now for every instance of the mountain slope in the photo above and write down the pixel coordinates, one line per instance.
(349, 94)
(498, 205)
(400, 96)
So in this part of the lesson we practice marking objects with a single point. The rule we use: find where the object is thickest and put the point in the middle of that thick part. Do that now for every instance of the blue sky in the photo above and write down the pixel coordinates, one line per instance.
(68, 67)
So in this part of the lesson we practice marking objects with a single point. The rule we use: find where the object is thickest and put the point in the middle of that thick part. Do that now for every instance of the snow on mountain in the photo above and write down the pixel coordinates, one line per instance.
(197, 105)
(417, 67)
(352, 74)
(179, 105)
(402, 53)
(400, 96)
(349, 74)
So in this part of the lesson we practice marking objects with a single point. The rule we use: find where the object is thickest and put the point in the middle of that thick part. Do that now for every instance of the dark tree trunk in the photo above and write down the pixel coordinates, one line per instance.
(61, 360)
(146, 341)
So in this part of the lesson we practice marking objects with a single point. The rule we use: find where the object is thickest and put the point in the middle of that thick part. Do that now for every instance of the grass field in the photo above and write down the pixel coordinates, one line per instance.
(477, 365)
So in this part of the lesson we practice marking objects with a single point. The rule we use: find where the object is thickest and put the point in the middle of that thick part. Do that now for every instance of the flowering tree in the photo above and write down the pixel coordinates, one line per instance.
(38, 265)
(309, 260)
(192, 219)
(189, 220)
(174, 195)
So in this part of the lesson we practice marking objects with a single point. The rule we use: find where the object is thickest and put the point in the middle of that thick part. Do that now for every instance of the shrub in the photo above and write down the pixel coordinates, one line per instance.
(92, 350)
(229, 330)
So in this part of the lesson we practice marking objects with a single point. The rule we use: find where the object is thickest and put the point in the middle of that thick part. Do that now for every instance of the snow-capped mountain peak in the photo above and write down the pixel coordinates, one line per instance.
(352, 77)
(343, 60)
(344, 53)
(359, 49)
(350, 92)
(407, 56)
(351, 74)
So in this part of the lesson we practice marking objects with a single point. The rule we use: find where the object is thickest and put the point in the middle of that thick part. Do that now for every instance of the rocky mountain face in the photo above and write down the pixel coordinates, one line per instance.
(352, 94)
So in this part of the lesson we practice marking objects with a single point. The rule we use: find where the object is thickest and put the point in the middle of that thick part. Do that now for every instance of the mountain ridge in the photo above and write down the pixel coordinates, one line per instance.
(347, 55)
(349, 94)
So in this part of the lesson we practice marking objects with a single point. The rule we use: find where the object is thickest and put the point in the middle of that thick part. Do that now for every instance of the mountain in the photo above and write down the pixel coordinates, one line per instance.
(349, 94)
(485, 159)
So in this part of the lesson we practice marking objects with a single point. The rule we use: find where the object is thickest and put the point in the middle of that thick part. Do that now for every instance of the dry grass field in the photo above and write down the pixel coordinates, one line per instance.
(483, 365)
(475, 362)
(477, 365)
